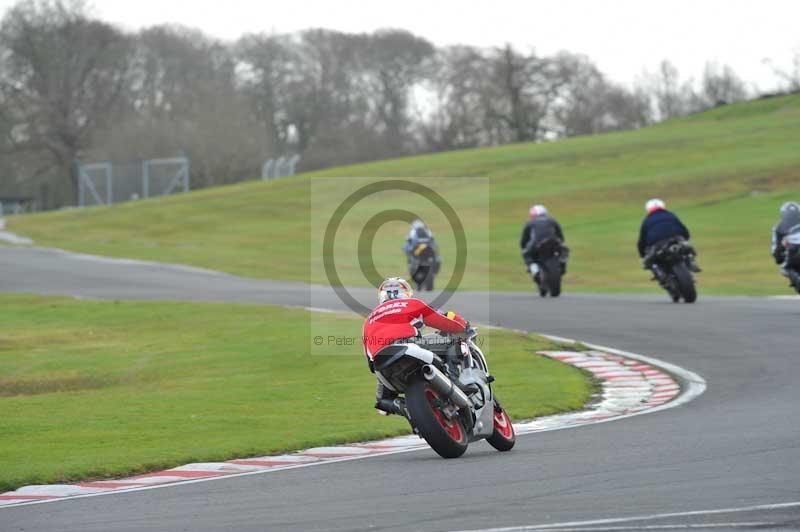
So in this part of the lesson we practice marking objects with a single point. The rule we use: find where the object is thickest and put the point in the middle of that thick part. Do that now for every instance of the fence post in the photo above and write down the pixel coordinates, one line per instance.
(81, 199)
(110, 184)
(266, 169)
(145, 179)
(292, 163)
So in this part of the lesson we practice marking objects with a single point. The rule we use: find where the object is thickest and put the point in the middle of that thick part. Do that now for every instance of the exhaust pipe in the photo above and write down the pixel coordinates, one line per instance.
(444, 386)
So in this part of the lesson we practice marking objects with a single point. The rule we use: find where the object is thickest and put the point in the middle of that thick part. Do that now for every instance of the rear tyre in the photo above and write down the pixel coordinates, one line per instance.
(551, 274)
(428, 283)
(540, 286)
(794, 277)
(503, 437)
(445, 436)
(420, 275)
(685, 283)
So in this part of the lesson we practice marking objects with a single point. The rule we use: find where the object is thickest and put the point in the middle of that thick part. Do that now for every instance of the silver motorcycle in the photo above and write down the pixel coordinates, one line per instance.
(445, 391)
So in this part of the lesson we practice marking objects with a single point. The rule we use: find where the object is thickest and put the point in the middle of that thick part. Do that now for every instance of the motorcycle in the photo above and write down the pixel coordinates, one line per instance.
(670, 263)
(791, 243)
(551, 258)
(445, 392)
(423, 265)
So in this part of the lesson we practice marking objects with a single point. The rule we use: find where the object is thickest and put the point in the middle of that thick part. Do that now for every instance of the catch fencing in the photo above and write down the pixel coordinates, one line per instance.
(106, 183)
(280, 167)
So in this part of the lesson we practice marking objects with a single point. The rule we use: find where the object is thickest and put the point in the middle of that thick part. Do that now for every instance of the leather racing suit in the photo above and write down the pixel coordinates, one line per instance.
(401, 319)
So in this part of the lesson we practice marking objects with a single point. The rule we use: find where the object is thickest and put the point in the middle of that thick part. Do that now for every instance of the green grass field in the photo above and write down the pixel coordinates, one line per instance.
(102, 389)
(725, 172)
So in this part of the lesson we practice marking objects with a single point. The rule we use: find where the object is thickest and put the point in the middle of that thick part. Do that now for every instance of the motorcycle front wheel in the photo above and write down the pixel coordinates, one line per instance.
(445, 436)
(503, 436)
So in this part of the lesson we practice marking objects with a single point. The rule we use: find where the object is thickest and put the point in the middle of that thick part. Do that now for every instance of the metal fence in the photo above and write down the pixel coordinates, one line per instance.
(106, 183)
(280, 167)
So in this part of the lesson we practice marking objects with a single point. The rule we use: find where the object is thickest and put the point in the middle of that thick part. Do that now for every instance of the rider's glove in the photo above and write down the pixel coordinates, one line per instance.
(458, 319)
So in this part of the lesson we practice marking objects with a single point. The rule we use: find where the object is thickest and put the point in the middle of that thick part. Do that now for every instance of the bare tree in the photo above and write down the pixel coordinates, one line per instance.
(184, 98)
(269, 65)
(335, 98)
(72, 87)
(332, 105)
(395, 62)
(522, 93)
(790, 75)
(62, 76)
(671, 97)
(591, 104)
(456, 80)
(721, 85)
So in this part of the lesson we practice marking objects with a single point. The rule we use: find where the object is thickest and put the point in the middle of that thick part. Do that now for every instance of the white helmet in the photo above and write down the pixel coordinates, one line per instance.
(537, 210)
(790, 206)
(394, 288)
(653, 205)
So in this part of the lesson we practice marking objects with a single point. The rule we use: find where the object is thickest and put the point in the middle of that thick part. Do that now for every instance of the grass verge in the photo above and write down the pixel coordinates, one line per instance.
(103, 389)
(725, 172)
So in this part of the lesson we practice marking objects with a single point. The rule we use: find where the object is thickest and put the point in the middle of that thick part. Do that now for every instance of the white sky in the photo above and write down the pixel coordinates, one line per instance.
(622, 36)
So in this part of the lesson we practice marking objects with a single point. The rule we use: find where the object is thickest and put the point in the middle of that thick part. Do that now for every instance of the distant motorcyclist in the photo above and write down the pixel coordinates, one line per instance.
(398, 318)
(419, 233)
(422, 254)
(540, 227)
(789, 224)
(659, 226)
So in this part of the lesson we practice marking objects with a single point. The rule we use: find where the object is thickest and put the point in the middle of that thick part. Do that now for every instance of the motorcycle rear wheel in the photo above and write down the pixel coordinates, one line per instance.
(794, 278)
(445, 436)
(503, 437)
(551, 275)
(419, 276)
(428, 283)
(685, 283)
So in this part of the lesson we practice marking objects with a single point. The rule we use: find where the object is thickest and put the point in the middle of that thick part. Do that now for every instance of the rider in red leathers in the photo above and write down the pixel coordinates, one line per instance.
(398, 317)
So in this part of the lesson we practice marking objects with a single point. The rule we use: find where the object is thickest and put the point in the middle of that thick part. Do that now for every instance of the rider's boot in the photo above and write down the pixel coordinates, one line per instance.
(658, 273)
(692, 264)
(387, 402)
(533, 268)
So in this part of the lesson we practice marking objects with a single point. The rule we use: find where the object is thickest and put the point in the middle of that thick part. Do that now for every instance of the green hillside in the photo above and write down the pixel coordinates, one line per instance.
(725, 172)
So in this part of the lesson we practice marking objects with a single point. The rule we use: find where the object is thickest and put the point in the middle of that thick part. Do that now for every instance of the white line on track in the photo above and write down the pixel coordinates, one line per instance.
(669, 527)
(571, 525)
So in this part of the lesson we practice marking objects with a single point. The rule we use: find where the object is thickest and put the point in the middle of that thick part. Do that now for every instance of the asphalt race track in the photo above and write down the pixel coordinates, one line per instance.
(736, 447)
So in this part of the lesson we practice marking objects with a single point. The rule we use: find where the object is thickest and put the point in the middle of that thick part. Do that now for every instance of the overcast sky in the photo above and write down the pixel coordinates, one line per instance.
(622, 36)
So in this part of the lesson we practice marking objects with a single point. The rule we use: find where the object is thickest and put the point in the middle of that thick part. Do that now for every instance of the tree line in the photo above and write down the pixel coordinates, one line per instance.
(76, 88)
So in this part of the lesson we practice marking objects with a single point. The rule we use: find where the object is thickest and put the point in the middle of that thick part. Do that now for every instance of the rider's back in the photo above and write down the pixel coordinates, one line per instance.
(790, 223)
(540, 229)
(659, 226)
